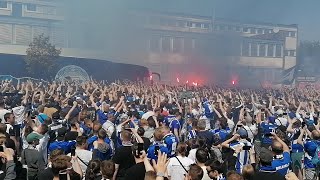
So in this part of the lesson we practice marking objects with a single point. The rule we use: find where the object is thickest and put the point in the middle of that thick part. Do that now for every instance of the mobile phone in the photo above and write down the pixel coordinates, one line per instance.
(140, 148)
(246, 148)
(128, 129)
(156, 149)
(239, 125)
(73, 151)
(1, 148)
(285, 114)
(263, 110)
(303, 124)
(268, 135)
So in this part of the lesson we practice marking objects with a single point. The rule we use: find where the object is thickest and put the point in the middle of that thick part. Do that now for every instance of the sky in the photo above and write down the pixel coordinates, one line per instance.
(305, 13)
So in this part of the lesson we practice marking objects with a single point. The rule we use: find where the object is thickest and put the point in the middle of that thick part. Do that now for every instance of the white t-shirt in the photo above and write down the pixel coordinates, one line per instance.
(205, 173)
(175, 170)
(85, 156)
(2, 113)
(251, 130)
(108, 127)
(192, 154)
(281, 121)
(19, 114)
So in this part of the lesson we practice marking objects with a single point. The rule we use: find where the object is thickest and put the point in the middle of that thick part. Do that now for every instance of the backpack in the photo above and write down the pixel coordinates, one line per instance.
(316, 158)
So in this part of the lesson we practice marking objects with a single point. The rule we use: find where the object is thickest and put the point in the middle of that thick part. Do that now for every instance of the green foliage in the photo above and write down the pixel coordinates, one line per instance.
(41, 56)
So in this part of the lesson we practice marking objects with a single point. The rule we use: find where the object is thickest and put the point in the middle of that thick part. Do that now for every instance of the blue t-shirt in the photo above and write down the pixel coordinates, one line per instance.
(63, 145)
(282, 164)
(103, 116)
(153, 154)
(174, 124)
(167, 120)
(222, 133)
(191, 134)
(171, 143)
(95, 138)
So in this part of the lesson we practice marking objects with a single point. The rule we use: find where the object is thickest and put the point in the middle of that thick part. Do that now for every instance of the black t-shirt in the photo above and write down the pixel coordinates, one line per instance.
(123, 156)
(45, 174)
(146, 143)
(208, 136)
(136, 172)
(71, 135)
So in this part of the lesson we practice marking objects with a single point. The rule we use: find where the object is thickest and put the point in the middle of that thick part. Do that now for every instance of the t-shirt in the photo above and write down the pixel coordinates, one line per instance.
(243, 157)
(171, 143)
(10, 130)
(209, 136)
(71, 135)
(2, 113)
(123, 156)
(136, 172)
(19, 114)
(174, 124)
(167, 120)
(282, 163)
(152, 150)
(175, 170)
(85, 156)
(46, 174)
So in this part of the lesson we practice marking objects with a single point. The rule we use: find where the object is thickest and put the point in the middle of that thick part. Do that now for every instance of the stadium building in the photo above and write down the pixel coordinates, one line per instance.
(179, 47)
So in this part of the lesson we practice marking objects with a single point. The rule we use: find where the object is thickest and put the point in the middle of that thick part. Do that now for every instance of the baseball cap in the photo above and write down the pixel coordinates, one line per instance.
(33, 136)
(266, 155)
(242, 132)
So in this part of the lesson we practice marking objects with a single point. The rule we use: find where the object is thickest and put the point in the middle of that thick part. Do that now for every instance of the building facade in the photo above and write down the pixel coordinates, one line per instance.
(191, 48)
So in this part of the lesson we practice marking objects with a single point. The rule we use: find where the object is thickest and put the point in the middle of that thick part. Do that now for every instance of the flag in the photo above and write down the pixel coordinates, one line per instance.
(288, 75)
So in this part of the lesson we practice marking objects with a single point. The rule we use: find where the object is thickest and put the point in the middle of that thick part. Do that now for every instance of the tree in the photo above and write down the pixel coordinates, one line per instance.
(41, 56)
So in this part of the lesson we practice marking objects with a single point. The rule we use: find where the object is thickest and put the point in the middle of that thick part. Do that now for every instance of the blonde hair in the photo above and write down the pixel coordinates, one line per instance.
(247, 171)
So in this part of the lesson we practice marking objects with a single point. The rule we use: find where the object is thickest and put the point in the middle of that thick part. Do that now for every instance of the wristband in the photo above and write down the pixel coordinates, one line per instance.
(160, 174)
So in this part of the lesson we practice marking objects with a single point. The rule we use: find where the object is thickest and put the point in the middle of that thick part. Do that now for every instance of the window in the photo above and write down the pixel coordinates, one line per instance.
(254, 49)
(31, 7)
(198, 25)
(278, 50)
(166, 44)
(262, 50)
(181, 24)
(238, 29)
(292, 34)
(193, 25)
(206, 25)
(3, 4)
(245, 49)
(177, 44)
(259, 31)
(291, 53)
(246, 29)
(230, 28)
(189, 24)
(154, 44)
(270, 50)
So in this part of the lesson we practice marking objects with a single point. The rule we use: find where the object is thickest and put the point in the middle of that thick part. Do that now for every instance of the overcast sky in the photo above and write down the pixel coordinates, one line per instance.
(305, 13)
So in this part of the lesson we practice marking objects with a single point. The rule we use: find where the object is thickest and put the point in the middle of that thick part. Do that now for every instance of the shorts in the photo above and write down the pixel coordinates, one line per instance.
(296, 159)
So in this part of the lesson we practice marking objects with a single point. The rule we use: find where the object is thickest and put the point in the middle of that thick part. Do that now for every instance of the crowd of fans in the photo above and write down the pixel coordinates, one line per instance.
(133, 130)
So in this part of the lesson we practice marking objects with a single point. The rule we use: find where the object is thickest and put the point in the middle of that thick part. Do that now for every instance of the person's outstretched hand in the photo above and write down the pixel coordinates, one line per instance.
(161, 165)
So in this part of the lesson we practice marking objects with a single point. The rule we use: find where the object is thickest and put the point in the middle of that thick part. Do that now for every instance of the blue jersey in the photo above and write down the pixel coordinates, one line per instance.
(267, 128)
(282, 164)
(63, 145)
(208, 111)
(167, 120)
(106, 140)
(191, 135)
(174, 124)
(103, 116)
(171, 143)
(152, 150)
(243, 157)
(222, 133)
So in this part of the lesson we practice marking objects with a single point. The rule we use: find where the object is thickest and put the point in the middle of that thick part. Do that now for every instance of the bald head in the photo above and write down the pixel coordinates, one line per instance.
(277, 147)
